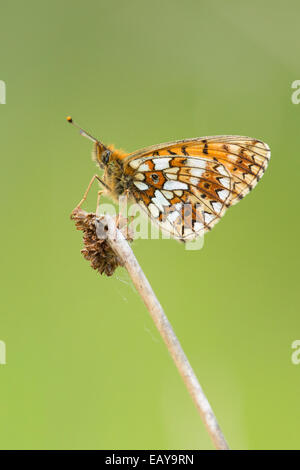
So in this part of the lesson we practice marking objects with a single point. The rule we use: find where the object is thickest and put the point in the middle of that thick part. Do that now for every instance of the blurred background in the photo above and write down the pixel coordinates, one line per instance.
(85, 366)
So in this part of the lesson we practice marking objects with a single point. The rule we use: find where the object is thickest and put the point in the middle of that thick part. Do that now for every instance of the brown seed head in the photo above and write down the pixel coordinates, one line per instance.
(98, 251)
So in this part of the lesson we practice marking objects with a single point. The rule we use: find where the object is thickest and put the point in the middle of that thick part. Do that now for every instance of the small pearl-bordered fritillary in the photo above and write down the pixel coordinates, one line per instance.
(184, 186)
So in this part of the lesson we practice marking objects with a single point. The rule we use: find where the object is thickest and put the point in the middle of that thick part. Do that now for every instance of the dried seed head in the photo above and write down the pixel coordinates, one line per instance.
(98, 251)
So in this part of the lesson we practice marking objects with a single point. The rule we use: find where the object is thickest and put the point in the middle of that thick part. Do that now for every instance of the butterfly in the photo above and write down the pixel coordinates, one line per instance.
(184, 186)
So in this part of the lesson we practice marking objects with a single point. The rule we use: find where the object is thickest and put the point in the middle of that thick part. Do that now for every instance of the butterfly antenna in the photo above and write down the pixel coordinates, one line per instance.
(81, 131)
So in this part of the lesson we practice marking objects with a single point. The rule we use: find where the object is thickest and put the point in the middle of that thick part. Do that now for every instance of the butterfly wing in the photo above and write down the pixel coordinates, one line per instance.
(186, 186)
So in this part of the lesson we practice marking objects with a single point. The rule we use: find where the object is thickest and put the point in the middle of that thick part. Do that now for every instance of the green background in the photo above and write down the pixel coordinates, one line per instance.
(86, 367)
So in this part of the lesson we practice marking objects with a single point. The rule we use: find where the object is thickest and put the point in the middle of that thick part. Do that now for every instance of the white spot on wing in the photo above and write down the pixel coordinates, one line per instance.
(174, 169)
(217, 206)
(196, 172)
(141, 186)
(223, 194)
(208, 217)
(172, 185)
(160, 200)
(136, 163)
(194, 181)
(171, 176)
(144, 167)
(196, 162)
(173, 216)
(225, 182)
(168, 194)
(161, 163)
(153, 210)
(222, 170)
(139, 176)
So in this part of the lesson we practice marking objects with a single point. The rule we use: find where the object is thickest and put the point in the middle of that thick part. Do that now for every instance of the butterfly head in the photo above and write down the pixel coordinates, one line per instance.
(101, 154)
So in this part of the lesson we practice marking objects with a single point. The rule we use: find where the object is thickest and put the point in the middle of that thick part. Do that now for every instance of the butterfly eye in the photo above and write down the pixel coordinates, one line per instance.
(105, 156)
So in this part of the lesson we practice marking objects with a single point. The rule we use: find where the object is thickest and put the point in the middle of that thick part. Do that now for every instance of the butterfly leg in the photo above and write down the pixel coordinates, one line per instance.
(88, 189)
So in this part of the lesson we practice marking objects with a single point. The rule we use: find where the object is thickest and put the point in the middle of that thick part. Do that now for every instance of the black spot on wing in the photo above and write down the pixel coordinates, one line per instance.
(183, 149)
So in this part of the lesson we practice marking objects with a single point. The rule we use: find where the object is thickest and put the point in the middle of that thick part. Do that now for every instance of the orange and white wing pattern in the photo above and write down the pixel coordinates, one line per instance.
(186, 186)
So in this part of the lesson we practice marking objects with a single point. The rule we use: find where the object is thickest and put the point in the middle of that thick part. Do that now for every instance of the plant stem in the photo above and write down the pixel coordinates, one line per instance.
(122, 249)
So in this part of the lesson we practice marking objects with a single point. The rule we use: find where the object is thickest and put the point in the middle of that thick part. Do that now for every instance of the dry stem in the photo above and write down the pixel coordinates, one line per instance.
(123, 251)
